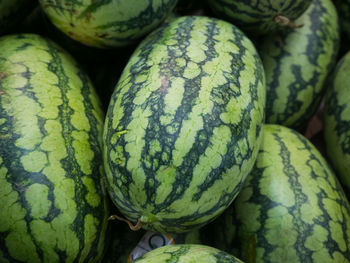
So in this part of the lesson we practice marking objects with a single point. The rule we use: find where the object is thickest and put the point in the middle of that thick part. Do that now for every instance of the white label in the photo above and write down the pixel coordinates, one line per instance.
(148, 242)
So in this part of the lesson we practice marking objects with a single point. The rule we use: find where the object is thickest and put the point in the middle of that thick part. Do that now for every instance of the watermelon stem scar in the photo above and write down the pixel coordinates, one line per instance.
(136, 227)
(285, 21)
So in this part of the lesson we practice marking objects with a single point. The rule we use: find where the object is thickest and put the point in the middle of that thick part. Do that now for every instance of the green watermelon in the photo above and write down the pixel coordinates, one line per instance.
(260, 17)
(337, 120)
(297, 64)
(52, 190)
(291, 208)
(12, 13)
(183, 126)
(107, 24)
(187, 253)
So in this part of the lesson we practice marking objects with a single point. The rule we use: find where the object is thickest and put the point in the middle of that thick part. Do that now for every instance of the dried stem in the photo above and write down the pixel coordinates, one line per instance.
(285, 21)
(136, 227)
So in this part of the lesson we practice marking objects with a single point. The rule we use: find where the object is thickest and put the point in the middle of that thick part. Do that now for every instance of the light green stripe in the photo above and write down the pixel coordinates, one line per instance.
(173, 99)
(135, 142)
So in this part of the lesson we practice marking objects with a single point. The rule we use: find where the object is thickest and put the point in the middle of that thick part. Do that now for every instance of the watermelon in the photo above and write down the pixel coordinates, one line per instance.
(297, 64)
(183, 126)
(337, 120)
(292, 207)
(52, 190)
(107, 24)
(12, 13)
(260, 17)
(187, 253)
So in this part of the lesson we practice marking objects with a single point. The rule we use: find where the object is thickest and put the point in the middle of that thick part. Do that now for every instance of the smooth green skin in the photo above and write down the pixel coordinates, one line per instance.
(109, 23)
(343, 8)
(12, 12)
(187, 254)
(258, 16)
(292, 207)
(52, 198)
(180, 91)
(297, 64)
(337, 120)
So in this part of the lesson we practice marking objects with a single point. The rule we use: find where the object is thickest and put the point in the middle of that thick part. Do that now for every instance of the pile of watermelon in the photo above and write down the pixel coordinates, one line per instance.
(174, 131)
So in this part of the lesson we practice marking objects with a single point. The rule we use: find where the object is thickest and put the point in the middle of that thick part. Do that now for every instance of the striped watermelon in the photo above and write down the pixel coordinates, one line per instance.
(297, 64)
(292, 207)
(260, 17)
(187, 253)
(337, 120)
(12, 13)
(52, 193)
(183, 126)
(107, 24)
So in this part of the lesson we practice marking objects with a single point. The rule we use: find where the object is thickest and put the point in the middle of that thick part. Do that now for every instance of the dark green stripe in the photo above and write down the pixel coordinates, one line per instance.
(69, 163)
(93, 8)
(145, 18)
(19, 178)
(100, 211)
(302, 228)
(157, 131)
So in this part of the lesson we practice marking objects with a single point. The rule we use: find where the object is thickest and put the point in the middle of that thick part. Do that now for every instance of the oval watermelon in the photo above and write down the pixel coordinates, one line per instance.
(297, 64)
(292, 207)
(183, 127)
(52, 194)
